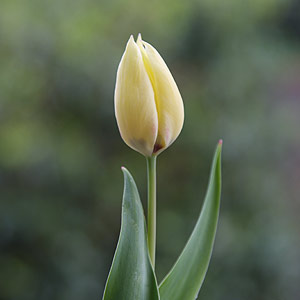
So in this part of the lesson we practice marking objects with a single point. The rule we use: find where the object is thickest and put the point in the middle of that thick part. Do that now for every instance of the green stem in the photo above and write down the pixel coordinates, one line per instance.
(151, 171)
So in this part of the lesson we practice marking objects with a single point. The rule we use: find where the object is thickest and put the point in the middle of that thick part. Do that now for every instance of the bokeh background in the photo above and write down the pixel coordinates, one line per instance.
(237, 64)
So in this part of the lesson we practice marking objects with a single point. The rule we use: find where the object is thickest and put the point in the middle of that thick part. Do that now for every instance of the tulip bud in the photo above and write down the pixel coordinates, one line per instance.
(148, 104)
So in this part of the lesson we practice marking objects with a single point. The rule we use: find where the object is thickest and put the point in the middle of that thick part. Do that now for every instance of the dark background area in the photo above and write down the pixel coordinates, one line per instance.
(237, 65)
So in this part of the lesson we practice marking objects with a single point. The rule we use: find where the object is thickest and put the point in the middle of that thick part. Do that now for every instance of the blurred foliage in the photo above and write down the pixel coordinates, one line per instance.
(237, 64)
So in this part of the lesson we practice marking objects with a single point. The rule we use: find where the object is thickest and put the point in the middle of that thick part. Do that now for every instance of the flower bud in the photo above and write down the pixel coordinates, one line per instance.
(148, 104)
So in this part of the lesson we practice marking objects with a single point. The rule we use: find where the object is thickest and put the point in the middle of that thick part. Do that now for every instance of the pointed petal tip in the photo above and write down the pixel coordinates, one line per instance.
(131, 44)
(139, 41)
(131, 40)
(220, 142)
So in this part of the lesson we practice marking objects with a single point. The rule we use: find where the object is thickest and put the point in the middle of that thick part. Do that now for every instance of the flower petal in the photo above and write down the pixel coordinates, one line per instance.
(135, 107)
(168, 100)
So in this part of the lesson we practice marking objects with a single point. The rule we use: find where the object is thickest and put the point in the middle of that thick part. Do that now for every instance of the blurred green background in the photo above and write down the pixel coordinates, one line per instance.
(237, 64)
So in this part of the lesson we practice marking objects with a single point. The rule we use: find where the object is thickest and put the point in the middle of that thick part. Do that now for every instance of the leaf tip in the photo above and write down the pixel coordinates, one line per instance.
(126, 173)
(124, 170)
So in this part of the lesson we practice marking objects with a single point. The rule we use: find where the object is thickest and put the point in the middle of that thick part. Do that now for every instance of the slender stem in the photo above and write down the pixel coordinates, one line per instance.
(151, 171)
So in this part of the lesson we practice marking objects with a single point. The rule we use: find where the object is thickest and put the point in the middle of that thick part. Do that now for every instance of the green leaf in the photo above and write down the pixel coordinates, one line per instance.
(186, 277)
(131, 276)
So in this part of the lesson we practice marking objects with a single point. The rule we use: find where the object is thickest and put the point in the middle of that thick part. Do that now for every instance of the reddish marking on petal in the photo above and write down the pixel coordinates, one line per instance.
(220, 142)
(156, 148)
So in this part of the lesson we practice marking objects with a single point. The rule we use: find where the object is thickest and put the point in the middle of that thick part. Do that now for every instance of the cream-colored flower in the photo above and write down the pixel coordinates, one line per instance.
(148, 105)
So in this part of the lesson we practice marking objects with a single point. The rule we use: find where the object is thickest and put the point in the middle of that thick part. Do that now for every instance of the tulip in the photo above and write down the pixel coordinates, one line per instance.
(148, 105)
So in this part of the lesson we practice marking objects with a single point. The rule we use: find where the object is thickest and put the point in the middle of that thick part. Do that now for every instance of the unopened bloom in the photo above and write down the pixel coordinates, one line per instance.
(148, 105)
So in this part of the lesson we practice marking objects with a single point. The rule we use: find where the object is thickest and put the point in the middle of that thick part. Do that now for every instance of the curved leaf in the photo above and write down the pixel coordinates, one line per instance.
(185, 278)
(131, 276)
